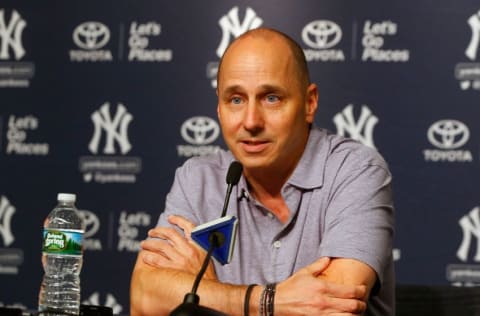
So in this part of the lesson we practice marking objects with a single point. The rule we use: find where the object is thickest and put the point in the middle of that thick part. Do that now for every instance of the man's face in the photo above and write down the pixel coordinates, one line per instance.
(264, 110)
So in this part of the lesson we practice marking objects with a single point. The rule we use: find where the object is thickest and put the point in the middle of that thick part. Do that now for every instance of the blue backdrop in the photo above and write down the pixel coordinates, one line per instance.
(105, 99)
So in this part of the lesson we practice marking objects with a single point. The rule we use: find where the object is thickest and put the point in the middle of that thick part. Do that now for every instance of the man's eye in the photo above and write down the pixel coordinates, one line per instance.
(236, 100)
(272, 98)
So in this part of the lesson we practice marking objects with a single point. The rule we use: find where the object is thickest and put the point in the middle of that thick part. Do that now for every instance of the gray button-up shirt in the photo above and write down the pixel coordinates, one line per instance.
(340, 203)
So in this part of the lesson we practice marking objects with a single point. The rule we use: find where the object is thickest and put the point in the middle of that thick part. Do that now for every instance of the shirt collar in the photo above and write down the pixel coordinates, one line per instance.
(309, 173)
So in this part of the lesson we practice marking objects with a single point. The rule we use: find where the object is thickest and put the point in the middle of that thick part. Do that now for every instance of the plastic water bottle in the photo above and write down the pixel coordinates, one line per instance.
(62, 259)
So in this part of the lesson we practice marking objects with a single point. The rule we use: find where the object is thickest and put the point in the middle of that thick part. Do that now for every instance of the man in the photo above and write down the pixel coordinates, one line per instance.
(315, 209)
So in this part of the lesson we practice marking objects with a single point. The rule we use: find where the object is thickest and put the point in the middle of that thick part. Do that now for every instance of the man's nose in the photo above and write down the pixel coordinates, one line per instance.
(254, 117)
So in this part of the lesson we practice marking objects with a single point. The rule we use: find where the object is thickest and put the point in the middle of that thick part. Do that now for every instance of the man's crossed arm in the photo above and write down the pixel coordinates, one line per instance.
(168, 263)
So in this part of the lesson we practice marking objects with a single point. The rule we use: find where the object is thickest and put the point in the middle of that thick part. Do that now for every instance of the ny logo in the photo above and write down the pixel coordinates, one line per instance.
(345, 123)
(231, 25)
(110, 301)
(116, 129)
(471, 226)
(11, 35)
(472, 49)
(6, 213)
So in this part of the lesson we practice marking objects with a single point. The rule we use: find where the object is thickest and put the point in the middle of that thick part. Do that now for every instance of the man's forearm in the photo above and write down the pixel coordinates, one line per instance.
(157, 291)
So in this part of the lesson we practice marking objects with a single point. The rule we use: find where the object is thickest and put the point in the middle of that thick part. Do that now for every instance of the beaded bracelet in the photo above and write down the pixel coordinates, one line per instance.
(261, 303)
(267, 300)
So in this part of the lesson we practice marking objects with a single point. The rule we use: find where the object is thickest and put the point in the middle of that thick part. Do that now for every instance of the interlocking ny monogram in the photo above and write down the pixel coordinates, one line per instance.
(472, 49)
(116, 129)
(6, 213)
(346, 124)
(11, 35)
(231, 25)
(470, 224)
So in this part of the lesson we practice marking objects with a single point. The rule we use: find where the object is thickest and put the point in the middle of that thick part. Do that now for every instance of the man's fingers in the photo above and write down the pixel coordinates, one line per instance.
(350, 306)
(318, 266)
(168, 233)
(155, 245)
(156, 248)
(187, 227)
(180, 221)
(170, 241)
(344, 291)
(158, 261)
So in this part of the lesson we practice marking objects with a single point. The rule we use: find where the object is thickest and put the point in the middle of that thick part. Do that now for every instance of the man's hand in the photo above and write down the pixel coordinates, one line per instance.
(305, 293)
(167, 248)
(316, 289)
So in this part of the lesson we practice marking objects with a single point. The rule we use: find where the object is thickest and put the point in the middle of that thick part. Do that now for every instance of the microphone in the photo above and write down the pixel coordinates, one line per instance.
(212, 236)
(233, 176)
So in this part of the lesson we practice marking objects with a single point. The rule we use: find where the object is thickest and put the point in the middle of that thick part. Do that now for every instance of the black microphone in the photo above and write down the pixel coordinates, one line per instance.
(216, 238)
(233, 176)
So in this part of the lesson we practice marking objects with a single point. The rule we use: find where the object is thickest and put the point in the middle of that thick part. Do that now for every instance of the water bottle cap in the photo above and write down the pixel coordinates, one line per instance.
(66, 197)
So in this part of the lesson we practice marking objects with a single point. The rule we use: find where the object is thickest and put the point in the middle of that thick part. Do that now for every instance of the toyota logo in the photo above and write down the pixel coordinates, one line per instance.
(200, 130)
(91, 35)
(92, 224)
(321, 34)
(448, 134)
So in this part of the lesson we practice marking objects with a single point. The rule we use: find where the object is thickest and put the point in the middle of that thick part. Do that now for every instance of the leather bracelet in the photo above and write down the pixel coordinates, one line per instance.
(269, 298)
(246, 302)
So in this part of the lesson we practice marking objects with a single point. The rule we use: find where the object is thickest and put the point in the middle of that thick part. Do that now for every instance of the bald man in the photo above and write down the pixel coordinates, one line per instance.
(315, 209)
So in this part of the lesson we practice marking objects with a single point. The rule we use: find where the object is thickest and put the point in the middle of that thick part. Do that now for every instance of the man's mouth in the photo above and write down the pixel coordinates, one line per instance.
(253, 146)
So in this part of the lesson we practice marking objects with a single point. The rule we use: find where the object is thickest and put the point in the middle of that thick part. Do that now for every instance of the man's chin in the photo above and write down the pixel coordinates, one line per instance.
(253, 164)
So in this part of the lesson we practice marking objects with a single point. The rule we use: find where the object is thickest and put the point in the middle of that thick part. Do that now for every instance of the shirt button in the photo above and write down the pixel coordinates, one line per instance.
(277, 244)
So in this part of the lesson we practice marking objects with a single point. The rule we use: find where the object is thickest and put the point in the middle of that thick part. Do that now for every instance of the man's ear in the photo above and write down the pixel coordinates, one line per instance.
(311, 103)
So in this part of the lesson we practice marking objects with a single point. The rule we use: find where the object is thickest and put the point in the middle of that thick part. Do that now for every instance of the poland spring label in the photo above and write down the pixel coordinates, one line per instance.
(62, 242)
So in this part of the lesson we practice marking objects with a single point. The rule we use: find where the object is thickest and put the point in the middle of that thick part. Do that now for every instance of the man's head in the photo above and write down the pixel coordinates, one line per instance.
(266, 103)
(295, 49)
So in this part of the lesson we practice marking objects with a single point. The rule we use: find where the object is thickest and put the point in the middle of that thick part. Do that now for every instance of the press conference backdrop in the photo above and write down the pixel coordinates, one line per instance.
(106, 99)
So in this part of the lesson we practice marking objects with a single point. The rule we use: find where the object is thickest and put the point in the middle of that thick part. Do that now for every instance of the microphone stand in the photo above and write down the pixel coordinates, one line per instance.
(216, 239)
(190, 305)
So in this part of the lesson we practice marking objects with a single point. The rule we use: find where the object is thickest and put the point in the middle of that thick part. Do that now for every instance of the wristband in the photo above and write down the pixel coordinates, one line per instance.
(269, 298)
(246, 303)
